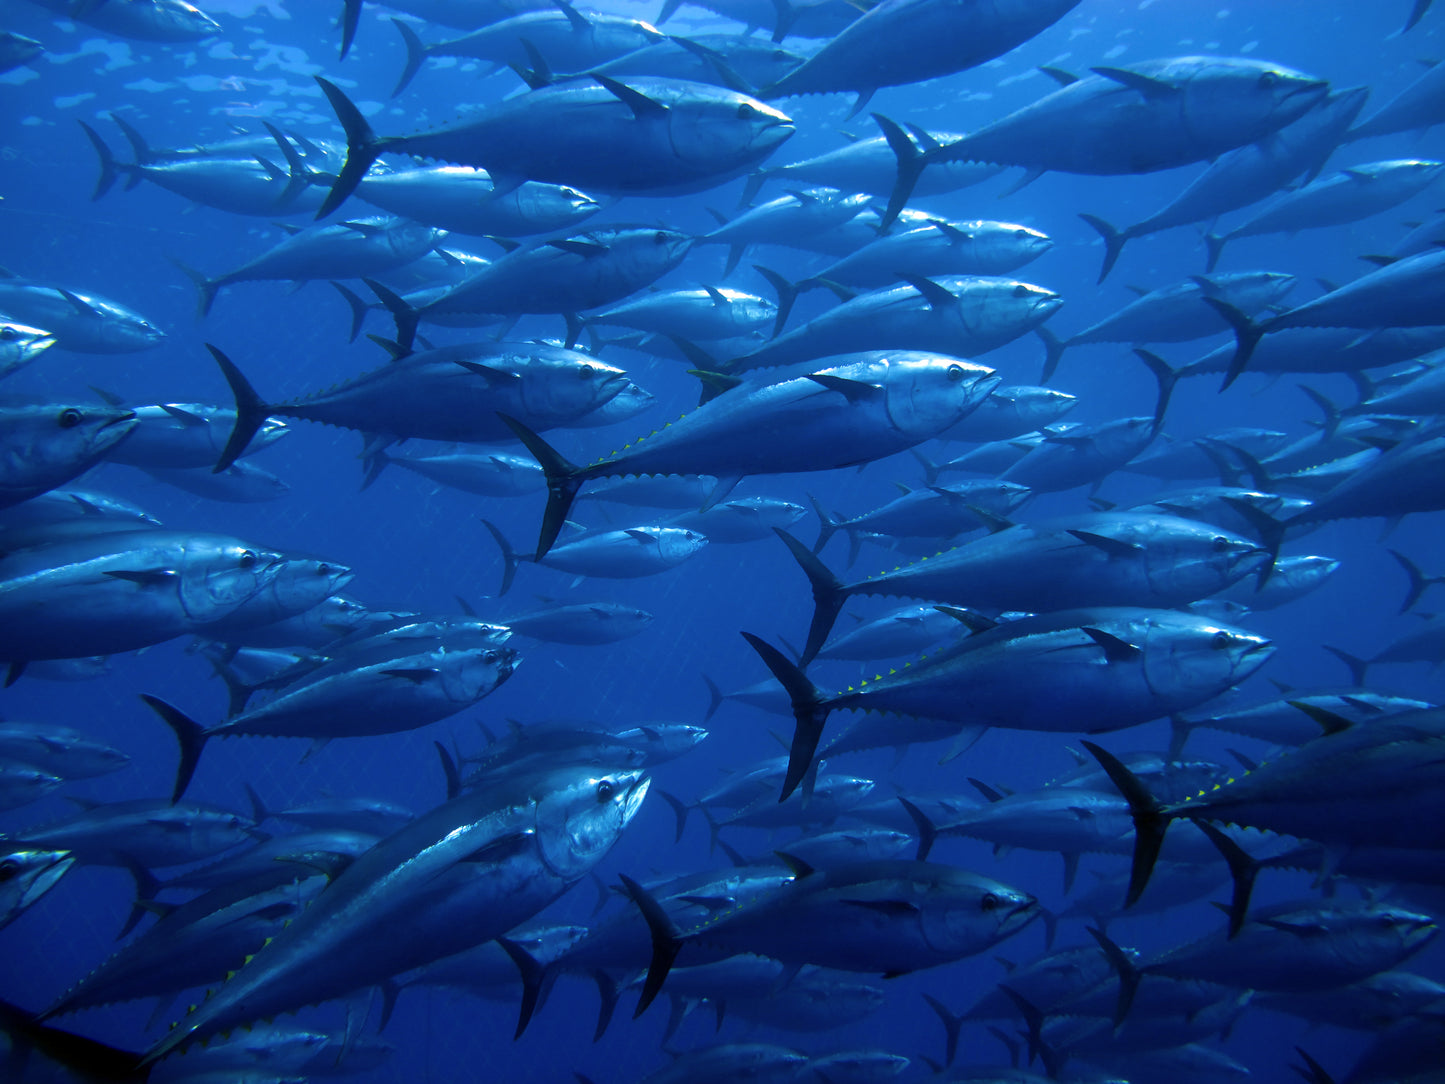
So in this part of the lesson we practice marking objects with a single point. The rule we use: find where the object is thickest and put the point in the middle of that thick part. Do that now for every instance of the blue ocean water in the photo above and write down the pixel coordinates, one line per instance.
(415, 546)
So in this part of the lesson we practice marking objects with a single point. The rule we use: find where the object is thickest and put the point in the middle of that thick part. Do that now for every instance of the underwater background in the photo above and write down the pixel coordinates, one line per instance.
(418, 546)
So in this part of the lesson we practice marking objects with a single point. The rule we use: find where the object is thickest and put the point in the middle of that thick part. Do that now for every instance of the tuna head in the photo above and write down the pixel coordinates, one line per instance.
(218, 575)
(1381, 936)
(582, 814)
(470, 673)
(55, 443)
(20, 345)
(644, 255)
(1229, 102)
(25, 876)
(715, 131)
(927, 393)
(129, 332)
(1189, 659)
(565, 384)
(1190, 561)
(297, 584)
(963, 913)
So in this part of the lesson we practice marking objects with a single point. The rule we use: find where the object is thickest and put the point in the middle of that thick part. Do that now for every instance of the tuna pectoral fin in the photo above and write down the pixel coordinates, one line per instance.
(563, 482)
(829, 594)
(809, 710)
(1150, 819)
(362, 146)
(666, 942)
(250, 411)
(190, 735)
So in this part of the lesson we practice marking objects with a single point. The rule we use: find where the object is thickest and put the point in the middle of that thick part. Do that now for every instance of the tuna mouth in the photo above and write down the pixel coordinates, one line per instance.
(119, 419)
(1316, 87)
(1266, 646)
(44, 879)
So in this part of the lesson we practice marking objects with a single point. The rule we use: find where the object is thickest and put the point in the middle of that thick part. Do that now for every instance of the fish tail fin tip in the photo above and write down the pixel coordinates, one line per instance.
(810, 711)
(1114, 241)
(564, 480)
(190, 735)
(829, 594)
(251, 412)
(362, 146)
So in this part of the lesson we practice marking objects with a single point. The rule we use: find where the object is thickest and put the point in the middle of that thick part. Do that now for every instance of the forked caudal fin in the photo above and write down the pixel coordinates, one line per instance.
(362, 146)
(829, 594)
(190, 735)
(1150, 819)
(563, 481)
(251, 412)
(1246, 334)
(810, 711)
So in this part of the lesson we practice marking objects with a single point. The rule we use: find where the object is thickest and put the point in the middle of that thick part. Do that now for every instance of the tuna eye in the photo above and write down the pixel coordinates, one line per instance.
(1021, 233)
(1268, 79)
(1220, 641)
(69, 418)
(659, 238)
(1021, 290)
(605, 791)
(990, 902)
(1220, 543)
(585, 372)
(323, 570)
(247, 559)
(955, 373)
(8, 333)
(8, 869)
(745, 111)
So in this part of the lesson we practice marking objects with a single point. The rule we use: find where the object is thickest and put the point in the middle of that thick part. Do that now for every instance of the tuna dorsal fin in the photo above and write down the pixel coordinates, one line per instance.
(1146, 85)
(855, 391)
(1115, 649)
(1330, 722)
(1059, 75)
(641, 105)
(580, 22)
(1111, 546)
